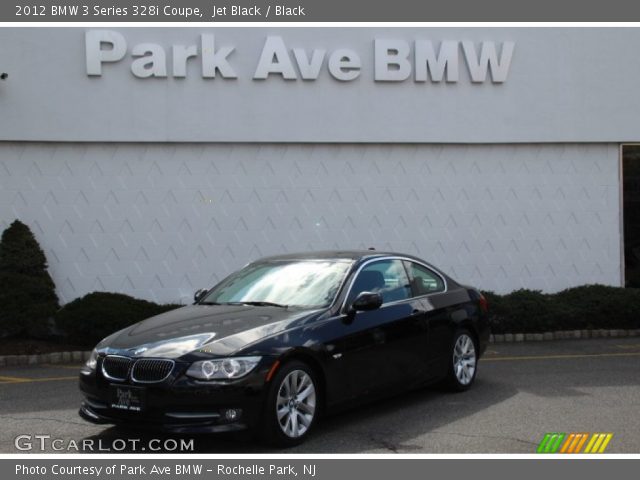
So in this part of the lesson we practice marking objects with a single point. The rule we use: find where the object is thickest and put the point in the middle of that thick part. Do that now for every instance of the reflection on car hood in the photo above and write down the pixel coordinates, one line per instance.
(214, 329)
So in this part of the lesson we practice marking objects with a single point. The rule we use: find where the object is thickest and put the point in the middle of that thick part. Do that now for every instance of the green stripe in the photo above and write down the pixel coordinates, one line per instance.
(558, 442)
(543, 443)
(552, 439)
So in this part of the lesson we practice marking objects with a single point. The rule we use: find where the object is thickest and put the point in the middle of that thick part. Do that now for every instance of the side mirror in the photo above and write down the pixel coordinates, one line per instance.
(366, 301)
(199, 294)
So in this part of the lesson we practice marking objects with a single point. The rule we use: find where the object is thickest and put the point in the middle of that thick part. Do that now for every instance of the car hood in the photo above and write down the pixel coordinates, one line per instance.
(210, 329)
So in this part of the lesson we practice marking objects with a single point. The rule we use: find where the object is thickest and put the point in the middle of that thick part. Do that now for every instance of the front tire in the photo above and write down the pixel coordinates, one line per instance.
(292, 405)
(463, 361)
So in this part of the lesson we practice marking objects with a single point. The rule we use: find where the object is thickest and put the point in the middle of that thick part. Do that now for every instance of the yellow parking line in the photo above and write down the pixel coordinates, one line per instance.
(52, 379)
(6, 380)
(69, 367)
(560, 357)
(13, 379)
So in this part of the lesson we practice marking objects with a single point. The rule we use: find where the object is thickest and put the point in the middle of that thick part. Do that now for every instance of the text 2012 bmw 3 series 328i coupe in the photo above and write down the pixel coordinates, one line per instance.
(285, 339)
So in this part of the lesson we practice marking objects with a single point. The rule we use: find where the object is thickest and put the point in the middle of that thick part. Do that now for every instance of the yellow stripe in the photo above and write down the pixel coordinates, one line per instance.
(13, 379)
(30, 380)
(596, 445)
(70, 367)
(584, 439)
(560, 357)
(590, 444)
(629, 345)
(51, 379)
(566, 442)
(605, 443)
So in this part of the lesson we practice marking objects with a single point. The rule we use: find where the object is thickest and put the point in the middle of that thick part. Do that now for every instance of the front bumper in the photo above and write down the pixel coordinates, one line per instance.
(180, 404)
(203, 423)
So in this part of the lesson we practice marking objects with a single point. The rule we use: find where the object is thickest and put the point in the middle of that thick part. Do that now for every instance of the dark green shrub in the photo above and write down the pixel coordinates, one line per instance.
(579, 308)
(523, 311)
(494, 300)
(27, 292)
(599, 306)
(89, 319)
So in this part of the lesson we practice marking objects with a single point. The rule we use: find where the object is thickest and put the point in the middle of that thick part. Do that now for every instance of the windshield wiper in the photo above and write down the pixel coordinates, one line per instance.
(264, 304)
(255, 304)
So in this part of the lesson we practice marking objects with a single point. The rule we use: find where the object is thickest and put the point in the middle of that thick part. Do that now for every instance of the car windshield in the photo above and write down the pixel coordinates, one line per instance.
(298, 283)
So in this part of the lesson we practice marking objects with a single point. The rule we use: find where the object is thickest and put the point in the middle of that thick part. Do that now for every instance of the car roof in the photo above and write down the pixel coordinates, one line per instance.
(354, 255)
(336, 254)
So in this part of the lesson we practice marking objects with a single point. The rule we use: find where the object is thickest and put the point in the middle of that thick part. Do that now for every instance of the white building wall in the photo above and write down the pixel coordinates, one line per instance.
(563, 85)
(158, 221)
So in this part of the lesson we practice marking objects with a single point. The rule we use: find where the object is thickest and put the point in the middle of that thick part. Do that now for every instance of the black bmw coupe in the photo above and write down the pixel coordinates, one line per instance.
(285, 339)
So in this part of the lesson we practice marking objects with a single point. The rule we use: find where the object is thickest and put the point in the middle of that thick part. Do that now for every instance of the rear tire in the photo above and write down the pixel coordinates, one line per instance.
(292, 405)
(463, 361)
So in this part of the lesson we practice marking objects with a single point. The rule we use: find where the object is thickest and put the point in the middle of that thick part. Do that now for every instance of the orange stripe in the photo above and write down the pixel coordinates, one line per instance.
(567, 442)
(584, 439)
(576, 438)
(272, 370)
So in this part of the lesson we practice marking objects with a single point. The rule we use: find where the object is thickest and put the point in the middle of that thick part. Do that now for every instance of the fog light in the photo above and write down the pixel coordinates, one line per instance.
(232, 414)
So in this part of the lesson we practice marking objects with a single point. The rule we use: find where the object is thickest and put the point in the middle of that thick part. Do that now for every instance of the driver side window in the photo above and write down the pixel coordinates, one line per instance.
(387, 277)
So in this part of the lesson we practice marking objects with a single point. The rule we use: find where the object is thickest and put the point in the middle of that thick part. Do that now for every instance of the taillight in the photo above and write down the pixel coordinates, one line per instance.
(484, 304)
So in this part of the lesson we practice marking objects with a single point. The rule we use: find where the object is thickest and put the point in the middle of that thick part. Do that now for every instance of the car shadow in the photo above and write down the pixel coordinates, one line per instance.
(400, 423)
(367, 427)
(391, 425)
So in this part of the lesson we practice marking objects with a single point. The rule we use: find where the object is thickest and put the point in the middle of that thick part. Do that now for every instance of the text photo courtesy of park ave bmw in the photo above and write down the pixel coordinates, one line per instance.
(315, 239)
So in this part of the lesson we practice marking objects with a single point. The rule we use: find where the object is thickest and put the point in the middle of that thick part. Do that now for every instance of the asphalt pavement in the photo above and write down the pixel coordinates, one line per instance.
(523, 390)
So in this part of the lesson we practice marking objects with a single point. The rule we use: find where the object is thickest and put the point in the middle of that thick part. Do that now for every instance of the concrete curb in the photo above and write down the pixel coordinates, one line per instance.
(42, 358)
(562, 335)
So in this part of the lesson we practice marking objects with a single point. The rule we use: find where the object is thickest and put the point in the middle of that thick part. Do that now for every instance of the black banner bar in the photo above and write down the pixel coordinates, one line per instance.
(317, 469)
(216, 11)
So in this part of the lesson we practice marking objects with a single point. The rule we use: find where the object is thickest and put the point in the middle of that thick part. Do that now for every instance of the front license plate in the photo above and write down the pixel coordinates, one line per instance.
(131, 399)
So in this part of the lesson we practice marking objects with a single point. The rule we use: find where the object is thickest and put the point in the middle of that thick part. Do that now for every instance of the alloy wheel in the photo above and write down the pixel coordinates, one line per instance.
(296, 403)
(464, 359)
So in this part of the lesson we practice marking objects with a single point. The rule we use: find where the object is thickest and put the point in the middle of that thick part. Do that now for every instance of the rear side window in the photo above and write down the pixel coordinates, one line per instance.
(423, 280)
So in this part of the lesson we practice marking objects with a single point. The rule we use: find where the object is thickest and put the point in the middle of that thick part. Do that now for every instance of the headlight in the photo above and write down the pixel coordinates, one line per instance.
(93, 360)
(222, 369)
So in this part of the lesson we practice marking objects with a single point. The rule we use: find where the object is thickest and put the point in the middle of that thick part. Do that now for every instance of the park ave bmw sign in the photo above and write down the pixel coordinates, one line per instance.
(395, 60)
